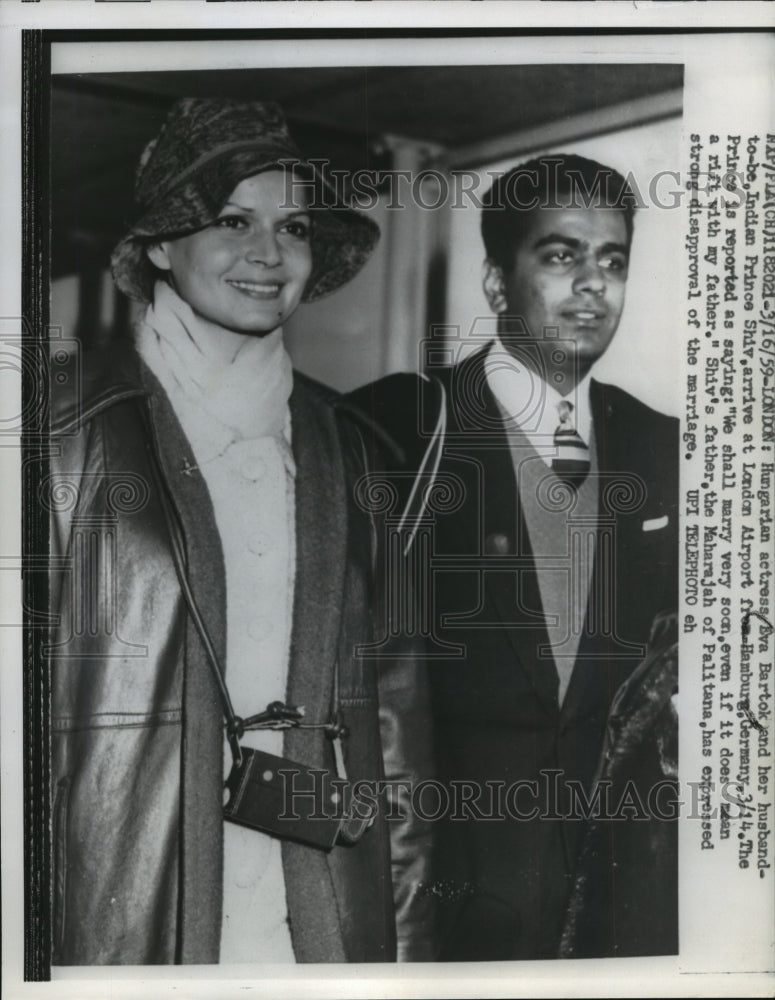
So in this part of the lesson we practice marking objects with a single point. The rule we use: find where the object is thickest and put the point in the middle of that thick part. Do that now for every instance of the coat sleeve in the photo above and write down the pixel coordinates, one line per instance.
(402, 415)
(406, 733)
(625, 897)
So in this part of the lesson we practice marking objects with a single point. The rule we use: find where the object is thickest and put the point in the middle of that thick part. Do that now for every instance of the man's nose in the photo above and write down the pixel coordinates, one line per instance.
(590, 279)
(264, 248)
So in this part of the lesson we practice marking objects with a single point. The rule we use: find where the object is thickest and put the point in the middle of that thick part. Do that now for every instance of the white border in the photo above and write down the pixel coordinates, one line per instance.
(441, 14)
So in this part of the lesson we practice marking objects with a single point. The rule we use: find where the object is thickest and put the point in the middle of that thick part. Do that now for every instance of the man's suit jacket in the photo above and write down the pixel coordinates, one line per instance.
(503, 884)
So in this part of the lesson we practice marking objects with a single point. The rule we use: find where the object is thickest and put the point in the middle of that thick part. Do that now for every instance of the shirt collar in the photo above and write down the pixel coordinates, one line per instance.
(531, 403)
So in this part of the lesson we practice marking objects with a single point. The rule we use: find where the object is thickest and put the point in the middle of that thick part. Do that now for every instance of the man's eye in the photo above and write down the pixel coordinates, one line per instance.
(558, 257)
(613, 263)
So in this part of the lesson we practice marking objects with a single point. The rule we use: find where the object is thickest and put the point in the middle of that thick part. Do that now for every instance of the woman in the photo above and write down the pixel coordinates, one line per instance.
(204, 496)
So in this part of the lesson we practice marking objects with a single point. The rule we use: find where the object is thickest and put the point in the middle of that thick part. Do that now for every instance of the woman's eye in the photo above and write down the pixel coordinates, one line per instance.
(297, 228)
(230, 222)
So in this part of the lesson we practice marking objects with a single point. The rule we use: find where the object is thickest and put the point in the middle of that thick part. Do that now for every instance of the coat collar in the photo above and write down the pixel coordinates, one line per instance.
(97, 380)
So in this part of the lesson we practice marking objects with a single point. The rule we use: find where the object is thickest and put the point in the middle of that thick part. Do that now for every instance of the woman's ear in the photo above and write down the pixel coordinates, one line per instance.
(158, 256)
(494, 287)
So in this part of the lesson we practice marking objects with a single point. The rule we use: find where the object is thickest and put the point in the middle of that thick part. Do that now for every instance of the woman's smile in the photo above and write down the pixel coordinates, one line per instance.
(257, 289)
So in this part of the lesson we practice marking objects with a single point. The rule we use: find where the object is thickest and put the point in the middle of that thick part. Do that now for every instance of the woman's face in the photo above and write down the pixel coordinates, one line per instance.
(247, 270)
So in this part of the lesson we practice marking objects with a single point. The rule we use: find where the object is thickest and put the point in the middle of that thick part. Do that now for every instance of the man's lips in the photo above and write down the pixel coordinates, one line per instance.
(578, 314)
(257, 289)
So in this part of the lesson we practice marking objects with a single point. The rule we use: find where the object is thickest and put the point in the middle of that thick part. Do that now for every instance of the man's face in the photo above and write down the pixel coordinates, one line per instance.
(569, 272)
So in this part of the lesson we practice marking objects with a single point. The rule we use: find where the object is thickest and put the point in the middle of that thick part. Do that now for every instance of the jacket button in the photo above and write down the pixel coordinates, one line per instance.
(253, 469)
(258, 543)
(497, 544)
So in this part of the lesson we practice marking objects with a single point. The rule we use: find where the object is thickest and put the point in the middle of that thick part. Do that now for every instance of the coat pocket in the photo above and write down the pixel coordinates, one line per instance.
(59, 865)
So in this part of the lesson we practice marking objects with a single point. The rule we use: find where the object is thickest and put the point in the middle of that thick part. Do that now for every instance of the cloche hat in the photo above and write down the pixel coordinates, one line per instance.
(203, 151)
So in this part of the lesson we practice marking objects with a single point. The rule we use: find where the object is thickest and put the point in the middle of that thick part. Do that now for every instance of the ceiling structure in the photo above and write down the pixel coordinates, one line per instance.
(100, 122)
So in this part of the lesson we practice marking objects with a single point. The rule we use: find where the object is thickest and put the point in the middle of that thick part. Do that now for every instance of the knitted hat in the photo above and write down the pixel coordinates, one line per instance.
(185, 175)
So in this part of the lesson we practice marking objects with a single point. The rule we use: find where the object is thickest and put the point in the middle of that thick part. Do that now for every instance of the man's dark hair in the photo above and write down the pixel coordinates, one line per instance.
(561, 180)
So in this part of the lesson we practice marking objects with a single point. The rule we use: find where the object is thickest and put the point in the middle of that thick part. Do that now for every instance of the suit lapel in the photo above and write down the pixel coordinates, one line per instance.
(603, 661)
(514, 596)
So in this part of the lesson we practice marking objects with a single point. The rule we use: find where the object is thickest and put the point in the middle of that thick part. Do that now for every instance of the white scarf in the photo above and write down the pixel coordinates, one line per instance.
(231, 387)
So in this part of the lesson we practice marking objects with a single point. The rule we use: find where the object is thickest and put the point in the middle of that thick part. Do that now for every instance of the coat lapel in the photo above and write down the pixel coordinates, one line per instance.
(201, 835)
(321, 534)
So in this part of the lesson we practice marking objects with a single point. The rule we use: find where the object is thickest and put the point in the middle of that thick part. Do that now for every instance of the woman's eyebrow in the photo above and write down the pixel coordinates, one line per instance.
(250, 211)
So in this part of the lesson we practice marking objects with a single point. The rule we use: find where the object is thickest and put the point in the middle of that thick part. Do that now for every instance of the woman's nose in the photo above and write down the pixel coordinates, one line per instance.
(264, 249)
(590, 279)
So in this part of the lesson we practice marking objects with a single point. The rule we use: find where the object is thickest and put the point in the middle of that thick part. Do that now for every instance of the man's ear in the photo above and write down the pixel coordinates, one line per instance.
(494, 286)
(158, 256)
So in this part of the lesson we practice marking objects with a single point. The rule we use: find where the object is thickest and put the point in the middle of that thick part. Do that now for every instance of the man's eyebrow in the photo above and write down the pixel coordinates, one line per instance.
(574, 244)
(568, 241)
(621, 248)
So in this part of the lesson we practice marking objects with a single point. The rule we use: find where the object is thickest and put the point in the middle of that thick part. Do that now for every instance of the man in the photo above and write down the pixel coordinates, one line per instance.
(570, 511)
(554, 579)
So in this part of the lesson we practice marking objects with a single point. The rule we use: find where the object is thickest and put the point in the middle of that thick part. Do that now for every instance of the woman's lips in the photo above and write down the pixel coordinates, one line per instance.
(257, 289)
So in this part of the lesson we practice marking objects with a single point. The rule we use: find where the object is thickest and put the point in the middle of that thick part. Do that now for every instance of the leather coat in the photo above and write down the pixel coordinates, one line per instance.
(136, 718)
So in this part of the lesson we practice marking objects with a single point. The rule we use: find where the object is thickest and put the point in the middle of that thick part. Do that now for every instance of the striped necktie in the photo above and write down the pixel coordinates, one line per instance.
(571, 462)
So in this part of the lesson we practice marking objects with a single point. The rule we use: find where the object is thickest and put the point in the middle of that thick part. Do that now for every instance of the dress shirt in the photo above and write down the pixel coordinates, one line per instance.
(531, 403)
